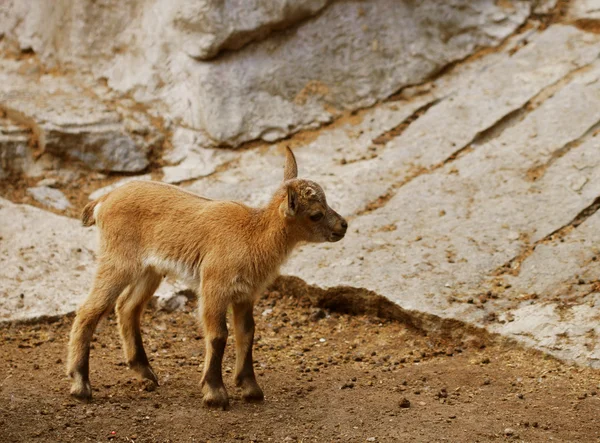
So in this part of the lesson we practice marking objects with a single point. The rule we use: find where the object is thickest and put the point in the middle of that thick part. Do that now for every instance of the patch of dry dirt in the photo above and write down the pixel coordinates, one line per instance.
(326, 376)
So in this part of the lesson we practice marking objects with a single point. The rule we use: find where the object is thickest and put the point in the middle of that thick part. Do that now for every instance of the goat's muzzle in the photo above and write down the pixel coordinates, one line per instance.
(340, 232)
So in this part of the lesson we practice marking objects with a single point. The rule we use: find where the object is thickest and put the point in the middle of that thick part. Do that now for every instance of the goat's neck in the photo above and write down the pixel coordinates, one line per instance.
(272, 229)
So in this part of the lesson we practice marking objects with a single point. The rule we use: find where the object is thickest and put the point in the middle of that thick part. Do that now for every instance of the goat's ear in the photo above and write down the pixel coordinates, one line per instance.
(291, 168)
(292, 202)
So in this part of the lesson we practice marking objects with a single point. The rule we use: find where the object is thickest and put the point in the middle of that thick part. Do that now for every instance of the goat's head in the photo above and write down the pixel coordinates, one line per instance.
(306, 208)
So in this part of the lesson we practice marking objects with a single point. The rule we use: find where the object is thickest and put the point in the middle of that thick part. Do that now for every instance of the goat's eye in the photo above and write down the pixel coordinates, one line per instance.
(316, 217)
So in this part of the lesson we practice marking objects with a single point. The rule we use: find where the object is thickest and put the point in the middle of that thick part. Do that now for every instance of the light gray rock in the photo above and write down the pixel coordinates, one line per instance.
(585, 9)
(257, 173)
(50, 197)
(202, 28)
(209, 26)
(324, 64)
(176, 302)
(567, 332)
(482, 100)
(49, 182)
(470, 102)
(553, 298)
(69, 123)
(341, 154)
(189, 159)
(444, 233)
(80, 128)
(46, 262)
(350, 55)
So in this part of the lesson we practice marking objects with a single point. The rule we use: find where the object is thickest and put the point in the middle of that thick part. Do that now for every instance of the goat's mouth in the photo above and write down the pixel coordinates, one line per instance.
(336, 237)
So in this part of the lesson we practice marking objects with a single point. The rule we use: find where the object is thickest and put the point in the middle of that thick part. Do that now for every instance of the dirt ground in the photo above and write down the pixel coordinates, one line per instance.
(326, 377)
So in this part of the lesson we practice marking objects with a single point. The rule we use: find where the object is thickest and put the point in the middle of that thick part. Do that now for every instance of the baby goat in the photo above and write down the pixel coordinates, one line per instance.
(225, 250)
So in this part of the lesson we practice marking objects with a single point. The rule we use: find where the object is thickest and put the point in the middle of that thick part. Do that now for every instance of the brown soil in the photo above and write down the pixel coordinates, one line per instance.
(326, 376)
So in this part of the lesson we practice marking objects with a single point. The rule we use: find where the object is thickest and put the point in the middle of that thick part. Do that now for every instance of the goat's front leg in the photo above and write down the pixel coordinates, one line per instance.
(243, 322)
(214, 312)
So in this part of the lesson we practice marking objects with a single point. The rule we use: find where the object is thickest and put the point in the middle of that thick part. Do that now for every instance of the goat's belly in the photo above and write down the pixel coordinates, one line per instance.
(173, 268)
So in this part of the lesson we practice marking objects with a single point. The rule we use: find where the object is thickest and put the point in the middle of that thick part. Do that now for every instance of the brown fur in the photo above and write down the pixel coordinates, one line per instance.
(225, 250)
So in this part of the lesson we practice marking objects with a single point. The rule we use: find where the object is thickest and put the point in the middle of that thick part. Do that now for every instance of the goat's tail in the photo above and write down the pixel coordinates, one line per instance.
(88, 217)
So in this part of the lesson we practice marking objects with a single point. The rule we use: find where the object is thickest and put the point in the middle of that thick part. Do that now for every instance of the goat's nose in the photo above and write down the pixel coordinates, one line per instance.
(344, 224)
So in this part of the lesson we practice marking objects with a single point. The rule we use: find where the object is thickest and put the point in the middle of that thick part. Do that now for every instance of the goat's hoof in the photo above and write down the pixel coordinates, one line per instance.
(252, 393)
(82, 391)
(216, 398)
(145, 372)
(148, 385)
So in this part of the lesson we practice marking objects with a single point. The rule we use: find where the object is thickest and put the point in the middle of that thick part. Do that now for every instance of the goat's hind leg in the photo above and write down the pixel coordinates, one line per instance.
(108, 284)
(243, 321)
(130, 308)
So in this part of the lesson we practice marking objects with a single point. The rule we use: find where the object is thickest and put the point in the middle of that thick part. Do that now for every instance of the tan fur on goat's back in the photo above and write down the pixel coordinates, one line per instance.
(148, 223)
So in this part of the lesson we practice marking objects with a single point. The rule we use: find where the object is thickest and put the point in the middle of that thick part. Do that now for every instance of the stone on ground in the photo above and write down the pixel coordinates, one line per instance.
(15, 155)
(51, 197)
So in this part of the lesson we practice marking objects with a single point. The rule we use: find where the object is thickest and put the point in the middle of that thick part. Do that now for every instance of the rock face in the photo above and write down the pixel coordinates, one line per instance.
(325, 59)
(471, 197)
(189, 160)
(555, 296)
(68, 122)
(46, 262)
(443, 235)
(211, 26)
(585, 9)
(465, 106)
(398, 44)
(482, 169)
